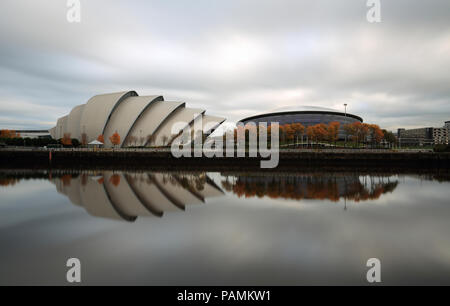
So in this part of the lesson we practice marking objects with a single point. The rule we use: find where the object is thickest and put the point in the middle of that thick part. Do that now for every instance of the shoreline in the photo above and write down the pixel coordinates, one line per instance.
(289, 160)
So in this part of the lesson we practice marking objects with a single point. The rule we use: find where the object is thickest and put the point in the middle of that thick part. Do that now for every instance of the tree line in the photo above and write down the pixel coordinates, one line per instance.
(357, 133)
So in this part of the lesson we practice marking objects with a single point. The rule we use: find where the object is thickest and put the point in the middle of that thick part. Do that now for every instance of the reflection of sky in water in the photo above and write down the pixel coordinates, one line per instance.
(230, 240)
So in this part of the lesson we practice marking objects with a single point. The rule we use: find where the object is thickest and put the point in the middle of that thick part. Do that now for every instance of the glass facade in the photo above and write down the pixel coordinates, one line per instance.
(306, 119)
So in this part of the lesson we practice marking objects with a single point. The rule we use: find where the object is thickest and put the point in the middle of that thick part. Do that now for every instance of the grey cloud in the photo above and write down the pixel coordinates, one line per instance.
(235, 58)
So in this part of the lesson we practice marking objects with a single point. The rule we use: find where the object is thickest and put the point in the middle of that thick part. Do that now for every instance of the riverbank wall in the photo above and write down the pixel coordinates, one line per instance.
(163, 159)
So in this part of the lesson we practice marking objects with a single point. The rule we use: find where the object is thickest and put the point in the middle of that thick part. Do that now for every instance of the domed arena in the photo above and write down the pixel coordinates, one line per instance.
(307, 116)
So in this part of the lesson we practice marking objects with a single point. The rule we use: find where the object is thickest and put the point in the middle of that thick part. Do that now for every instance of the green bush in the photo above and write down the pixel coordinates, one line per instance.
(441, 148)
(29, 142)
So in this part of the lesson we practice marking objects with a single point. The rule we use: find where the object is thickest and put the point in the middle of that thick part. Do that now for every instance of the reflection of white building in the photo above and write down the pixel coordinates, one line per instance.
(139, 121)
(126, 196)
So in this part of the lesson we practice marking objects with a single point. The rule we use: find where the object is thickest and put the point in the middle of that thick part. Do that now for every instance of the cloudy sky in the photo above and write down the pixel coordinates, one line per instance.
(235, 58)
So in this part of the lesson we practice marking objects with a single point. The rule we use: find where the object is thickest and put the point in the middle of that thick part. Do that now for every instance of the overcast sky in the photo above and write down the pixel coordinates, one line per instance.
(233, 58)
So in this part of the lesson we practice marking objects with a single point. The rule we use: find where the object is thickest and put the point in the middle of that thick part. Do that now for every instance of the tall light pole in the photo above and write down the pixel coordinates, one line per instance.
(345, 105)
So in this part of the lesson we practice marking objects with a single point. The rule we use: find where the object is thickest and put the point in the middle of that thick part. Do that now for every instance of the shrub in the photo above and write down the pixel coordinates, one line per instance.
(441, 148)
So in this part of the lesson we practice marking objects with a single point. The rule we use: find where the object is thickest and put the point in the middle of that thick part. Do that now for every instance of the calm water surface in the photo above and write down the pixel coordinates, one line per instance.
(178, 228)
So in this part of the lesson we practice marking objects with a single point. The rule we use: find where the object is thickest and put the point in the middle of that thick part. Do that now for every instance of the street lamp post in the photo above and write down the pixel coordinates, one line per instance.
(345, 105)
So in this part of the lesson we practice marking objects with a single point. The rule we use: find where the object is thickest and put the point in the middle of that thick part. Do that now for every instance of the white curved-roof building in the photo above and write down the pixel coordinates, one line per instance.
(139, 120)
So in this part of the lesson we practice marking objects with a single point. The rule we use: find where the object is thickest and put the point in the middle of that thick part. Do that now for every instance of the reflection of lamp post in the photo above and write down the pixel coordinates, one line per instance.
(345, 194)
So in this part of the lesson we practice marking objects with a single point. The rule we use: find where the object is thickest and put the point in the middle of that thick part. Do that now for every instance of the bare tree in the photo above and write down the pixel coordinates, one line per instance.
(165, 139)
(150, 139)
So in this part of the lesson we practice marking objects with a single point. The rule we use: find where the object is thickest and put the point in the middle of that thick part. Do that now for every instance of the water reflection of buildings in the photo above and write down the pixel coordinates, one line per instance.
(125, 196)
(310, 186)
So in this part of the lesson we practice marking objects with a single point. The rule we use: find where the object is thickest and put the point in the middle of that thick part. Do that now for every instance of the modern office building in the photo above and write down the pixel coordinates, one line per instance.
(138, 120)
(440, 135)
(423, 136)
(307, 116)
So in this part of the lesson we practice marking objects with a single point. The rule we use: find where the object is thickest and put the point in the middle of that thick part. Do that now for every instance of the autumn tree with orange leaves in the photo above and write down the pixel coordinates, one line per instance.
(361, 132)
(9, 134)
(101, 138)
(376, 134)
(289, 132)
(333, 131)
(317, 132)
(66, 140)
(115, 139)
(299, 129)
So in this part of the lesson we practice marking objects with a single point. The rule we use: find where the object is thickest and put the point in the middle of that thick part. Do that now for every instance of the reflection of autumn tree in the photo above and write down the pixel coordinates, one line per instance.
(308, 187)
(8, 181)
(115, 179)
(191, 182)
(227, 185)
(15, 177)
(65, 179)
(84, 179)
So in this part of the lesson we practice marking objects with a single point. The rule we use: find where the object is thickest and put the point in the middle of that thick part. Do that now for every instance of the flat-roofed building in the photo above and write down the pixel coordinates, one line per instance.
(423, 136)
(33, 133)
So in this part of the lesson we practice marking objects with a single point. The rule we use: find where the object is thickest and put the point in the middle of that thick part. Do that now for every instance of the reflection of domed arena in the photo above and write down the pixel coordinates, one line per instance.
(124, 196)
(307, 116)
(310, 186)
(139, 121)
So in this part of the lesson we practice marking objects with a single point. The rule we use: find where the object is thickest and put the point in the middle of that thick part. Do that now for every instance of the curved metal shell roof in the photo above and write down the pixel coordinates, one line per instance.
(136, 119)
(210, 123)
(151, 120)
(52, 132)
(168, 129)
(98, 110)
(61, 127)
(126, 115)
(73, 122)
